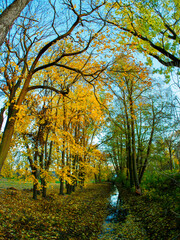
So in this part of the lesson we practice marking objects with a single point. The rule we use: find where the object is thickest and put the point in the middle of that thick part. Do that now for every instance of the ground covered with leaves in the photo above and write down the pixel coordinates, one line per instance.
(69, 217)
(150, 216)
(81, 215)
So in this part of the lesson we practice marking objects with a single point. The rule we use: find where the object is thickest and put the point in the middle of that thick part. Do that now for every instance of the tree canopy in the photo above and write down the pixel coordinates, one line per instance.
(151, 27)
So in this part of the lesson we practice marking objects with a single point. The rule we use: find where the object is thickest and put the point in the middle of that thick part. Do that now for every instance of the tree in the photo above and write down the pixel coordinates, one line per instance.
(56, 132)
(131, 139)
(26, 54)
(9, 15)
(152, 27)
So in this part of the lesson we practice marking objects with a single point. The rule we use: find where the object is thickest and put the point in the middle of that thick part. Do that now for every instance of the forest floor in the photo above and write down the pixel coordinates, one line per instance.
(81, 215)
(69, 217)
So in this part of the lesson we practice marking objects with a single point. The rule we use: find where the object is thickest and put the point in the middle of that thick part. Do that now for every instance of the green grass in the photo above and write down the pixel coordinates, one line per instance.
(21, 184)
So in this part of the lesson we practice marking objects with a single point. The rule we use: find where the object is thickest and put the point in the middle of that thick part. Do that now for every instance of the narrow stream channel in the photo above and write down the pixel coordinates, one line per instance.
(116, 215)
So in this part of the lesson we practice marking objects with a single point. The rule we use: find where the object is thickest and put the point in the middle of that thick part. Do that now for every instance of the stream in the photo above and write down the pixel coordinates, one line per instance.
(116, 214)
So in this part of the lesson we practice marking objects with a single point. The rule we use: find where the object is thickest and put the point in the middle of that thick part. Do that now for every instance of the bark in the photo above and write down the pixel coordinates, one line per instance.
(44, 188)
(139, 143)
(12, 115)
(7, 136)
(95, 178)
(61, 191)
(74, 161)
(42, 163)
(147, 155)
(169, 145)
(133, 152)
(68, 187)
(35, 191)
(121, 152)
(1, 117)
(83, 159)
(9, 15)
(35, 169)
(170, 158)
(35, 185)
(115, 161)
(128, 145)
(99, 173)
(148, 149)
(129, 160)
(47, 164)
(133, 155)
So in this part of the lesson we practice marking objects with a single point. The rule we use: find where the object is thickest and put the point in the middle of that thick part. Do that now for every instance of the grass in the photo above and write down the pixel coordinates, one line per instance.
(18, 184)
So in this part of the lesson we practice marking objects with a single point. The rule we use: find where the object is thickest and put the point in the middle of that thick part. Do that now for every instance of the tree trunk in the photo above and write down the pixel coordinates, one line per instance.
(1, 117)
(61, 189)
(133, 152)
(170, 154)
(170, 160)
(35, 184)
(128, 147)
(99, 173)
(95, 178)
(149, 147)
(44, 187)
(9, 15)
(6, 138)
(9, 128)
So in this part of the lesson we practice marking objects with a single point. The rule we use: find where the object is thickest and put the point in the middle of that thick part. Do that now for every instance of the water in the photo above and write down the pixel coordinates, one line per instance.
(116, 214)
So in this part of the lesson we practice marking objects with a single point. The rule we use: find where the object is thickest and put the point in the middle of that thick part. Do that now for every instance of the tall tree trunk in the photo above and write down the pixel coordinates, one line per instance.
(68, 187)
(7, 136)
(35, 185)
(147, 155)
(35, 173)
(10, 123)
(133, 152)
(170, 158)
(128, 146)
(2, 117)
(149, 146)
(99, 173)
(95, 178)
(61, 191)
(47, 164)
(44, 187)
